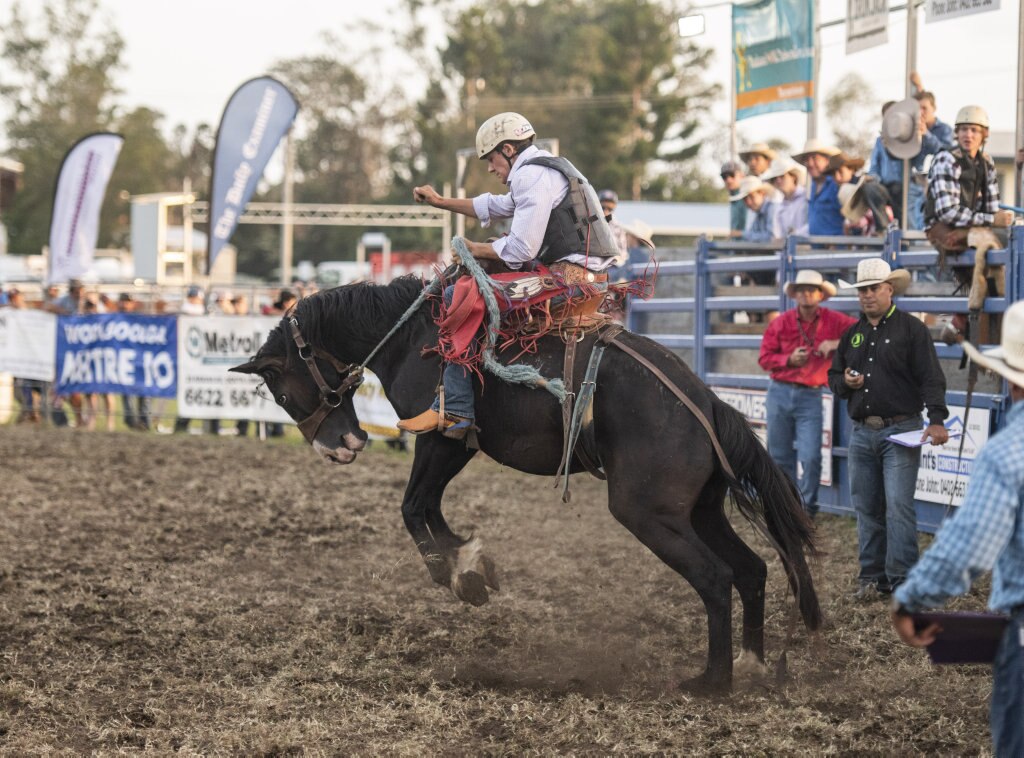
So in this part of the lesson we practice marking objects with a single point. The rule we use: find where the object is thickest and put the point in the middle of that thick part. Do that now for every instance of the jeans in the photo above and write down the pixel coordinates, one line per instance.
(458, 381)
(795, 418)
(883, 476)
(1006, 714)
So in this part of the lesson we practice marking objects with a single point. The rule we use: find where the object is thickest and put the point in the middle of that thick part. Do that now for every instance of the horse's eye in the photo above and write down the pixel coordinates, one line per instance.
(282, 399)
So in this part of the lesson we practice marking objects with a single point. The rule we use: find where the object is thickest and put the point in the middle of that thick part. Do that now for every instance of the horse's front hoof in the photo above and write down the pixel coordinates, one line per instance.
(470, 587)
(705, 685)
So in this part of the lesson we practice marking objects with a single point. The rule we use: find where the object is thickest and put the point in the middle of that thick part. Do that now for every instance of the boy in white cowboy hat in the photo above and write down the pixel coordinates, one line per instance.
(887, 371)
(796, 350)
(986, 534)
(759, 197)
(787, 176)
(823, 216)
(758, 157)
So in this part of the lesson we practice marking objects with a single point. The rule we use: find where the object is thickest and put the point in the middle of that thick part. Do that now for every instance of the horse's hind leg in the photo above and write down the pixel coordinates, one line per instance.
(749, 572)
(666, 530)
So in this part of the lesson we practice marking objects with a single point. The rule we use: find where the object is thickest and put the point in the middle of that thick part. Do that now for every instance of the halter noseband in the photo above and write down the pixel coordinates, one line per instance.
(351, 377)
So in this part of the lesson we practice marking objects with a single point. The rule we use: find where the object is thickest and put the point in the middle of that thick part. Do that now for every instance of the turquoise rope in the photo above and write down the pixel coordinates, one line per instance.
(517, 373)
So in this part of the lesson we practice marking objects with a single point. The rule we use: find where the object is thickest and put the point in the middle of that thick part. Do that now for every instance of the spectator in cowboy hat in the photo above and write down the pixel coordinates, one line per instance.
(787, 176)
(286, 300)
(797, 350)
(758, 157)
(986, 534)
(823, 216)
(732, 174)
(887, 370)
(844, 169)
(759, 197)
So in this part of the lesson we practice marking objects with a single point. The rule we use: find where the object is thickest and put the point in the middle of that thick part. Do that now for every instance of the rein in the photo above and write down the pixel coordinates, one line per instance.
(351, 374)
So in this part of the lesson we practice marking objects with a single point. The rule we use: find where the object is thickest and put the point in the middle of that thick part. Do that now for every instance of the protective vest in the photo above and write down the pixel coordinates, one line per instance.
(973, 183)
(577, 224)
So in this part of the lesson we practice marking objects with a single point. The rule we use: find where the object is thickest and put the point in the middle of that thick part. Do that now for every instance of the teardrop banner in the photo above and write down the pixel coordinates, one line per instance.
(257, 116)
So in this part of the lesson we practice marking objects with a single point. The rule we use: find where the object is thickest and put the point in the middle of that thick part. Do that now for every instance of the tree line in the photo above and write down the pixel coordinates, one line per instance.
(612, 81)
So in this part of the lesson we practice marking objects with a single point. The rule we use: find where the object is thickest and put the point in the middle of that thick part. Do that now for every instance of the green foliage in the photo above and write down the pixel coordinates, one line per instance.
(611, 81)
(855, 115)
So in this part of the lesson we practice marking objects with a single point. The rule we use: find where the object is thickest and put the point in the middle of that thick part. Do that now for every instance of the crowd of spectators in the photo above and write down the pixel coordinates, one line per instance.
(823, 191)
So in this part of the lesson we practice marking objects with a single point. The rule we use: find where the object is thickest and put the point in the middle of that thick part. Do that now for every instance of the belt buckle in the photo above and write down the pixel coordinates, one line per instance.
(874, 423)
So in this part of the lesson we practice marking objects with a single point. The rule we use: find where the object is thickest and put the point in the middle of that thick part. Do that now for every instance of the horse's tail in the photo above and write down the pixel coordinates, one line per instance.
(767, 497)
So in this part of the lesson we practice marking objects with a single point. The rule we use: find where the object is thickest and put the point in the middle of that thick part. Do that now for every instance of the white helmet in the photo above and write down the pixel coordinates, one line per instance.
(505, 127)
(972, 114)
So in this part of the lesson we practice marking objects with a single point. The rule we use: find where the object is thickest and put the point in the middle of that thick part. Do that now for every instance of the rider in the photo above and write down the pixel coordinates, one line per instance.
(556, 219)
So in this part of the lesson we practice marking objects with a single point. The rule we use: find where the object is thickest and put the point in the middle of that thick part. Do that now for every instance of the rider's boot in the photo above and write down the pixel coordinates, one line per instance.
(455, 427)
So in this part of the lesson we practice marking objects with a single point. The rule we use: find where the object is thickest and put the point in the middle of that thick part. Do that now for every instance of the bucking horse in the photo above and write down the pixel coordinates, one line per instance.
(669, 457)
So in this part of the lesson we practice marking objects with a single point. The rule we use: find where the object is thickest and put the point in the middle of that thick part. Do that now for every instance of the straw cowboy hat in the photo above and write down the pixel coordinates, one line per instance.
(899, 129)
(872, 271)
(1007, 360)
(752, 184)
(807, 277)
(643, 231)
(852, 199)
(782, 166)
(758, 148)
(815, 146)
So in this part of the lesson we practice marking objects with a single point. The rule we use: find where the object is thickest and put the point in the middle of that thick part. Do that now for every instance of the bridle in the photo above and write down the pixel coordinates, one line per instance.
(351, 377)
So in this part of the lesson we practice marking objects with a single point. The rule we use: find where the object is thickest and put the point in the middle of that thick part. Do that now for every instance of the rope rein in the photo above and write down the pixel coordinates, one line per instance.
(514, 374)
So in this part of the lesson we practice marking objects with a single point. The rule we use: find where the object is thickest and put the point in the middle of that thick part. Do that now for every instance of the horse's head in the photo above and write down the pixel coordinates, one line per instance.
(314, 388)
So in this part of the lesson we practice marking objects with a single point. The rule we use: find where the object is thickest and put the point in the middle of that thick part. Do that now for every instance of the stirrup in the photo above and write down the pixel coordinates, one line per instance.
(457, 430)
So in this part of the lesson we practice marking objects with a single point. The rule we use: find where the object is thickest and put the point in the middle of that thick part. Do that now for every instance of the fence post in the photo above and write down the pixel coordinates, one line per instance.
(893, 246)
(700, 315)
(787, 270)
(1015, 282)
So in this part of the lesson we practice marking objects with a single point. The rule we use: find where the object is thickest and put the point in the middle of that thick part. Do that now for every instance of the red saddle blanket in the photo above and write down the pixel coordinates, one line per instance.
(461, 320)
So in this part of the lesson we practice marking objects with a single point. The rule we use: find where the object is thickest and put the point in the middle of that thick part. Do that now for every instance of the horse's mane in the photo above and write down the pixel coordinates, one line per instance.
(354, 312)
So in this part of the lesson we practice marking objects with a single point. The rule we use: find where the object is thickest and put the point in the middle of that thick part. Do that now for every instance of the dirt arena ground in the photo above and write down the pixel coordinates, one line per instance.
(225, 596)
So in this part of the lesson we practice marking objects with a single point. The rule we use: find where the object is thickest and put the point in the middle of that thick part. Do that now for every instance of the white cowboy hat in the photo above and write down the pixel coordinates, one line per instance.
(752, 184)
(815, 146)
(808, 277)
(1007, 360)
(899, 129)
(782, 166)
(643, 231)
(758, 148)
(872, 271)
(852, 200)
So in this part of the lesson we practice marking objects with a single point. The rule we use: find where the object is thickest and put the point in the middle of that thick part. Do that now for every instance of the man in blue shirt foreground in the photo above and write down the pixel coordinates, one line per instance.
(986, 533)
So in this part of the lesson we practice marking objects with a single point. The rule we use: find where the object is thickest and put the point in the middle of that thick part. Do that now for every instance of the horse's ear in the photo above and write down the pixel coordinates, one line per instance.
(252, 367)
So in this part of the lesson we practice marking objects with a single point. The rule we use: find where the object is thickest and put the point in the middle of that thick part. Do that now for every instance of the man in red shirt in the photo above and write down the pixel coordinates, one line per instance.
(797, 351)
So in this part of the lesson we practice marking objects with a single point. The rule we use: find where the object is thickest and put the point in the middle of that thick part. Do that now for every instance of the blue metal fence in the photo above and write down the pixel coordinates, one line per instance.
(832, 256)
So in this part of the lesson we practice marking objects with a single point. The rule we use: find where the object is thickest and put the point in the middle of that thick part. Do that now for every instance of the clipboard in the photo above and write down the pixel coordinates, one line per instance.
(965, 637)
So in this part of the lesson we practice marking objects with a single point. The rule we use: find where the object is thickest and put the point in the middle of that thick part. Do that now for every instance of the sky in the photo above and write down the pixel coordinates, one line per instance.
(187, 59)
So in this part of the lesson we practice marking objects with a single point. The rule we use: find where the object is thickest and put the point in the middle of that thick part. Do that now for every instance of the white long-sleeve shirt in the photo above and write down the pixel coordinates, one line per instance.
(534, 191)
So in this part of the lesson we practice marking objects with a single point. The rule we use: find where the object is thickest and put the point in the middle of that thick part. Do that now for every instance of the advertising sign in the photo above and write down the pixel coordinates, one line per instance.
(773, 55)
(940, 10)
(28, 342)
(867, 24)
(207, 347)
(751, 403)
(117, 352)
(944, 472)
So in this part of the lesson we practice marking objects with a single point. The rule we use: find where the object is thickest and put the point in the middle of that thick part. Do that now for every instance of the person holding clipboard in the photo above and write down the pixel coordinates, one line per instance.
(987, 533)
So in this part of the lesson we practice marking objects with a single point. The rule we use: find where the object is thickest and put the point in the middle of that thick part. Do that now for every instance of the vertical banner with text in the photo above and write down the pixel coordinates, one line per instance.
(81, 184)
(258, 114)
(773, 55)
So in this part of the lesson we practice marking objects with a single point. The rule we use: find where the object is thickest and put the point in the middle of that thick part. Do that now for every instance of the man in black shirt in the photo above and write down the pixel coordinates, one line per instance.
(887, 371)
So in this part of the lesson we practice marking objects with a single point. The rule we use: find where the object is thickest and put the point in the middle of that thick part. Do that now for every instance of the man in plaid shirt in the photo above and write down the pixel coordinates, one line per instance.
(987, 533)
